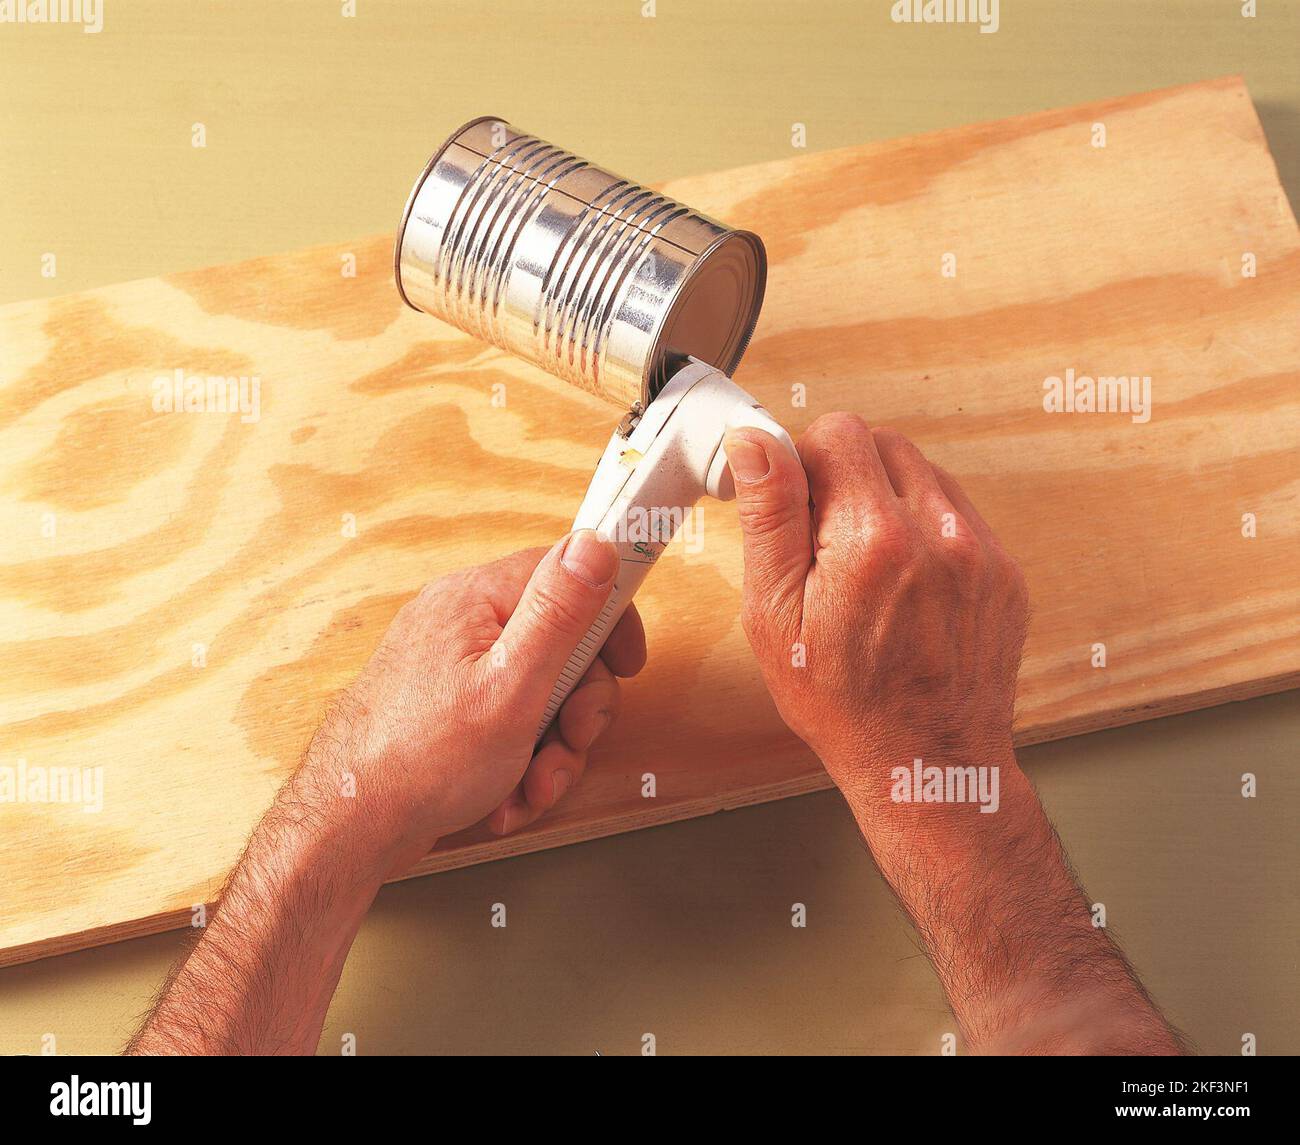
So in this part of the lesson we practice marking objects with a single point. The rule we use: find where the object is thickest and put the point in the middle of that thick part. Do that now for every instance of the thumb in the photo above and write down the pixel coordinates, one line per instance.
(772, 499)
(562, 599)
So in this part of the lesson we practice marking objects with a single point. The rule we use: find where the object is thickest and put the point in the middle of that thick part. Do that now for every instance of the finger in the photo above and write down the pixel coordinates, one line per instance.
(963, 504)
(851, 493)
(917, 485)
(590, 708)
(560, 762)
(552, 772)
(561, 601)
(511, 814)
(504, 580)
(625, 651)
(772, 501)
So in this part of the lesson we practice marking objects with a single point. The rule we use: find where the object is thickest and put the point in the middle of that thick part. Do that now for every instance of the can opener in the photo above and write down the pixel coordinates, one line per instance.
(656, 467)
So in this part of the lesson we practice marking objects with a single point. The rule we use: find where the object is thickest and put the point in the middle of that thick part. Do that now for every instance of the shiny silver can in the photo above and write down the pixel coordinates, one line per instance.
(600, 281)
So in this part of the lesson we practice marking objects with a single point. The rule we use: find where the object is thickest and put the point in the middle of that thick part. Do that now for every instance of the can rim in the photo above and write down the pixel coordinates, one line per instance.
(415, 192)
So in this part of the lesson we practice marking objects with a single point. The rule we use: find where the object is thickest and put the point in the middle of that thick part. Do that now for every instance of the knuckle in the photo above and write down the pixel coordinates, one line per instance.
(557, 610)
(830, 428)
(963, 549)
(839, 423)
(764, 512)
(436, 590)
(890, 544)
(479, 578)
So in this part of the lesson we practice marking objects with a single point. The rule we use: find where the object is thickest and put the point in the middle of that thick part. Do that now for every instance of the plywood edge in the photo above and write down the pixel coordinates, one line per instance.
(1173, 705)
(98, 936)
(561, 834)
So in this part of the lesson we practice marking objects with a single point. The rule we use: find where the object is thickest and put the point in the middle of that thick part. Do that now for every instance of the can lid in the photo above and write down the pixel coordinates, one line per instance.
(715, 310)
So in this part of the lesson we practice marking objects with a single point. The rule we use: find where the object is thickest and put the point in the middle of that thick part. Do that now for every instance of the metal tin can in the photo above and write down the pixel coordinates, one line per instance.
(598, 280)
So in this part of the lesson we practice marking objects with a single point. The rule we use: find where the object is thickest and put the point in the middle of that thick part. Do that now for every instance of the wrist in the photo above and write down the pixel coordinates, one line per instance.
(931, 769)
(318, 825)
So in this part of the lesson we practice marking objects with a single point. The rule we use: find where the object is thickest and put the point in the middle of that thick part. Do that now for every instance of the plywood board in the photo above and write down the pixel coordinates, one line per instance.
(131, 537)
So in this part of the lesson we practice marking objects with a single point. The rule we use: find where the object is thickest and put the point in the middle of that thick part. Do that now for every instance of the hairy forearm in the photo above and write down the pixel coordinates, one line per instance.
(260, 978)
(1006, 924)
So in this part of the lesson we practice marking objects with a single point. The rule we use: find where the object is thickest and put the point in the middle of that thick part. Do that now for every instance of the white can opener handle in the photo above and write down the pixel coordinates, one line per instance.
(648, 483)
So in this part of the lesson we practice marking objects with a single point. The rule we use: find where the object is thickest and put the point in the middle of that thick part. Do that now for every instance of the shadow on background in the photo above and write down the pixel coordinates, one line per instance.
(1281, 124)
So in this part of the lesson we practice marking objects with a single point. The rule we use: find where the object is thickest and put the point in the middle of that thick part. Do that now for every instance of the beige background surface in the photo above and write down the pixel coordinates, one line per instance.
(316, 124)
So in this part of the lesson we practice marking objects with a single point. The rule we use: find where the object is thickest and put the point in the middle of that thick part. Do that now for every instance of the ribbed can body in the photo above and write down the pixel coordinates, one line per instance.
(596, 279)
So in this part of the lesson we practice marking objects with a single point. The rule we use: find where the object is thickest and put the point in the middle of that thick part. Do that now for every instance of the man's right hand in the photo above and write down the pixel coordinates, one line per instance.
(888, 622)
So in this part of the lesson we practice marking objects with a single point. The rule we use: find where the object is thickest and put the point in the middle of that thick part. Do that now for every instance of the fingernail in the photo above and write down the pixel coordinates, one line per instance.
(589, 557)
(598, 728)
(561, 781)
(748, 460)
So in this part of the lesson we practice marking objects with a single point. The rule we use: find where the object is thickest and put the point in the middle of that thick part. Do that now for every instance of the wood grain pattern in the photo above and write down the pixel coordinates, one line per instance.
(172, 530)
